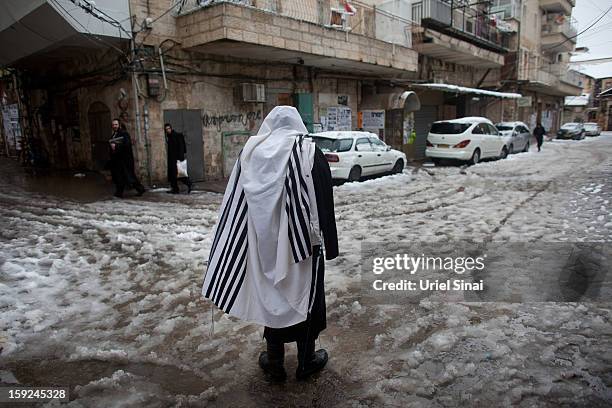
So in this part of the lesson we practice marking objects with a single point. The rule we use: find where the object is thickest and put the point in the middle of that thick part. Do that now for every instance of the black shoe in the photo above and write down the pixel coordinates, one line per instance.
(315, 364)
(274, 370)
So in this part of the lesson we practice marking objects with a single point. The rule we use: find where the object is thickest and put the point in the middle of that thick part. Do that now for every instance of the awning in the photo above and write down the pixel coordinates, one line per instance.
(607, 92)
(466, 90)
(407, 100)
(581, 100)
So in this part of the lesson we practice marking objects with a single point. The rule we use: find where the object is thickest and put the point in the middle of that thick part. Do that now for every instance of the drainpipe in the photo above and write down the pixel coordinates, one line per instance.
(135, 91)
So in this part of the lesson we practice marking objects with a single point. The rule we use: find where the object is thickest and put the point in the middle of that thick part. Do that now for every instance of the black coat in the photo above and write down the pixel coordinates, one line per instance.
(176, 151)
(539, 131)
(316, 321)
(121, 163)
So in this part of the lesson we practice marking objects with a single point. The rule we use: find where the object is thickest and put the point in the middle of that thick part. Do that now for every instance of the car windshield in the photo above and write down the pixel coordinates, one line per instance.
(501, 128)
(590, 125)
(327, 144)
(570, 126)
(449, 128)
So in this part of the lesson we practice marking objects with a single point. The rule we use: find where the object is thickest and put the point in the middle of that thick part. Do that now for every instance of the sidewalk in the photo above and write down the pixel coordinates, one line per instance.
(81, 186)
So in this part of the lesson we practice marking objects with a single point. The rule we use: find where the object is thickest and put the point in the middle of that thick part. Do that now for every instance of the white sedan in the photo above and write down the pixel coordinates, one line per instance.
(467, 139)
(353, 154)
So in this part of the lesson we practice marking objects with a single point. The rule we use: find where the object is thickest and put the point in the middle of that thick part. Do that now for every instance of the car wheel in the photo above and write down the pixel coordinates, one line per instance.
(504, 153)
(355, 174)
(511, 149)
(475, 157)
(398, 167)
(436, 161)
(526, 149)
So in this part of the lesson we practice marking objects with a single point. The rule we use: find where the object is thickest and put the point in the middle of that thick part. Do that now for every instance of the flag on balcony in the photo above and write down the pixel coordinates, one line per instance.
(349, 8)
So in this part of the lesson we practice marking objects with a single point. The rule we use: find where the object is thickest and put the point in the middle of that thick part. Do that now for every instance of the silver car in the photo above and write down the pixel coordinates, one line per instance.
(516, 136)
(592, 129)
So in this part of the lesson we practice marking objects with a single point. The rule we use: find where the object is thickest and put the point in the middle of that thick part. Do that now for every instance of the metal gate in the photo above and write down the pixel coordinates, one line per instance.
(189, 123)
(423, 119)
(99, 118)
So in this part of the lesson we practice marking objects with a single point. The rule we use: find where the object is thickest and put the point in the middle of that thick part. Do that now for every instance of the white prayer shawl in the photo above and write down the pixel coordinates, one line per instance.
(260, 265)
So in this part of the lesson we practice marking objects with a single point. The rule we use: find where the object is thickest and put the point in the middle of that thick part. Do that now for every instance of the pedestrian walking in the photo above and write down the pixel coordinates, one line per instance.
(121, 163)
(276, 226)
(176, 151)
(539, 133)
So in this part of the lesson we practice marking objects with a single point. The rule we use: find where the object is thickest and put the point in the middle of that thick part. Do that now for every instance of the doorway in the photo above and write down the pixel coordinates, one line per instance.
(189, 123)
(99, 118)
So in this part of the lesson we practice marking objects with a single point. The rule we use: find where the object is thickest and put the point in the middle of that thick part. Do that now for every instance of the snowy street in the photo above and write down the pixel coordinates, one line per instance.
(103, 296)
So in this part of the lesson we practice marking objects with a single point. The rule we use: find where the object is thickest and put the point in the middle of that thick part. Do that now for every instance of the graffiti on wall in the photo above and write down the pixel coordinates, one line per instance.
(218, 120)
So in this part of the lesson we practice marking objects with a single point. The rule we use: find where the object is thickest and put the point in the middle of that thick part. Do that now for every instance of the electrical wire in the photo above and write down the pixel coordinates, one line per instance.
(583, 31)
(91, 35)
(99, 14)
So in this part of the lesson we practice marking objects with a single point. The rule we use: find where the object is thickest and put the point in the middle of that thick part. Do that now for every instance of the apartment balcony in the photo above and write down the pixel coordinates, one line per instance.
(464, 23)
(376, 42)
(558, 34)
(448, 48)
(507, 9)
(555, 80)
(31, 29)
(558, 6)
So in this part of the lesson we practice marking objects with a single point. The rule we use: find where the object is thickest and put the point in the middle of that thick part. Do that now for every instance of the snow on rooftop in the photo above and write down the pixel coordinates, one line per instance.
(463, 89)
(580, 100)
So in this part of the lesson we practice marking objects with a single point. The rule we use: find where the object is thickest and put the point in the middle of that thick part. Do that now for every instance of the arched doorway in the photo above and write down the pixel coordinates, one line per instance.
(99, 117)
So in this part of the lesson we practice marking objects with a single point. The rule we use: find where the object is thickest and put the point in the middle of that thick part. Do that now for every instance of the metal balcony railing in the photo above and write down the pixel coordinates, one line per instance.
(507, 9)
(559, 23)
(463, 19)
(375, 22)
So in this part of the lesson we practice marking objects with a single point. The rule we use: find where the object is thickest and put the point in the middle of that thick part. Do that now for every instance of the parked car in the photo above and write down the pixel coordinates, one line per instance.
(468, 139)
(353, 154)
(592, 129)
(516, 136)
(572, 130)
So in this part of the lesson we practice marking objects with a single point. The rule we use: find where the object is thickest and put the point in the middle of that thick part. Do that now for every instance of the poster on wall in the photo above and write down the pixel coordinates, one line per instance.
(338, 118)
(372, 120)
(12, 130)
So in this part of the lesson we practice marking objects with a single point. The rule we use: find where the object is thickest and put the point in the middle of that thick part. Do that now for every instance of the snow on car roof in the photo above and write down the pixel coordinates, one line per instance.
(468, 119)
(338, 134)
(510, 123)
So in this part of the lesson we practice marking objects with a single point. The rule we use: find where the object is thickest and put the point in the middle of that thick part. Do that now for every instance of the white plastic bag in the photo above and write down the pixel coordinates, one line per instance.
(181, 168)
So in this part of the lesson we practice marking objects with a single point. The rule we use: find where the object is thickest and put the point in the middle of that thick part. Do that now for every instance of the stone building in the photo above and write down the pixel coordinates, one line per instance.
(538, 65)
(213, 69)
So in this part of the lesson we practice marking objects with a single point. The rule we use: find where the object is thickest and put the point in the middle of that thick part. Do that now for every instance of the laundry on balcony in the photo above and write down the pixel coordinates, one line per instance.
(466, 90)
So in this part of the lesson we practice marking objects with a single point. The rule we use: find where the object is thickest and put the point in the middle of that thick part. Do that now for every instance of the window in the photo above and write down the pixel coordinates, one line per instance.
(449, 128)
(333, 145)
(363, 145)
(479, 129)
(490, 129)
(378, 145)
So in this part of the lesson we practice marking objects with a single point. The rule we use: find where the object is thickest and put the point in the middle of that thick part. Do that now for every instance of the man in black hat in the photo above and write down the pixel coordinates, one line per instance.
(121, 163)
(176, 151)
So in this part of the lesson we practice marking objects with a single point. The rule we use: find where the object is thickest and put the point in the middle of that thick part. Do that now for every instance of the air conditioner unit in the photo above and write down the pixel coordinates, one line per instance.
(249, 92)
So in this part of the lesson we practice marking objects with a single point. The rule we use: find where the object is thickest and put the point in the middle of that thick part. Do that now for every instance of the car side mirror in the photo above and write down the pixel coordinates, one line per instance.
(388, 148)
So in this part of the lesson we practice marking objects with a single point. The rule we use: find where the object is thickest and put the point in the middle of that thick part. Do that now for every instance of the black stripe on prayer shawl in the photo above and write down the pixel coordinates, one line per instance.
(298, 210)
(223, 219)
(230, 267)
